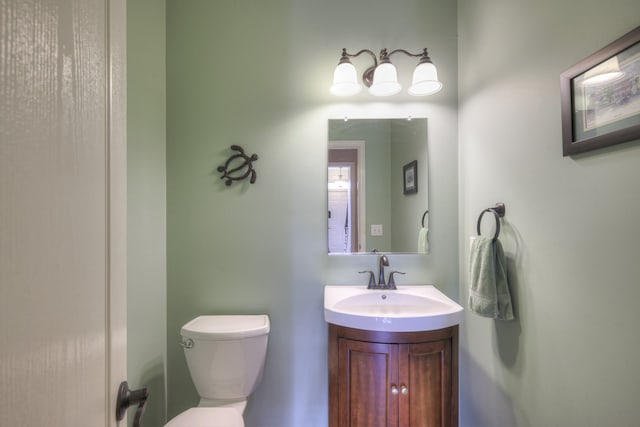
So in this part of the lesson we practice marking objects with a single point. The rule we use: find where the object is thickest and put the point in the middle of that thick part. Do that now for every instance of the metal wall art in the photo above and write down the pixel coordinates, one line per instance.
(238, 167)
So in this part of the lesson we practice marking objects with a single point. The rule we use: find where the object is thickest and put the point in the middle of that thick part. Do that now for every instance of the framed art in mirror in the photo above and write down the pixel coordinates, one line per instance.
(410, 177)
(600, 97)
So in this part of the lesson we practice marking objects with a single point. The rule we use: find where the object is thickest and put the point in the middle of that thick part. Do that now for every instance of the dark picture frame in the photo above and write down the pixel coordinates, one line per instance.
(410, 177)
(597, 114)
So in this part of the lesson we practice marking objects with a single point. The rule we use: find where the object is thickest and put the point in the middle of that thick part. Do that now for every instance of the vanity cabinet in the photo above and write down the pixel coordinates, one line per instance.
(400, 379)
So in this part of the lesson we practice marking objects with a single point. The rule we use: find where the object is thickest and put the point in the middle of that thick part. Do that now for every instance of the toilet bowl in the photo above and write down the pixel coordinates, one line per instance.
(225, 356)
(207, 417)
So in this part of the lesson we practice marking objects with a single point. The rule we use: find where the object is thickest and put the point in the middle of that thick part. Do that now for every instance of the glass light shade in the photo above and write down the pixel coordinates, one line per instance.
(385, 80)
(425, 80)
(608, 71)
(337, 180)
(345, 80)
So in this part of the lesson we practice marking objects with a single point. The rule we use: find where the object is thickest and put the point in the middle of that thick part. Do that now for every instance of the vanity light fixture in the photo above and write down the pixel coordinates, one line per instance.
(382, 78)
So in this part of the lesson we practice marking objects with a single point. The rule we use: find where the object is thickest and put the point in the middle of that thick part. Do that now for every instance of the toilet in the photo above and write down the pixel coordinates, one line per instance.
(225, 356)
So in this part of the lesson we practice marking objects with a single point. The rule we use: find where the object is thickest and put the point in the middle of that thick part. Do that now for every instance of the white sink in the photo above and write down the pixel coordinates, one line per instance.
(406, 309)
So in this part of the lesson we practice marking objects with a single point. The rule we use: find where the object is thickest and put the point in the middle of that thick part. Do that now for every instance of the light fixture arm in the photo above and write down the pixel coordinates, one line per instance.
(424, 55)
(367, 76)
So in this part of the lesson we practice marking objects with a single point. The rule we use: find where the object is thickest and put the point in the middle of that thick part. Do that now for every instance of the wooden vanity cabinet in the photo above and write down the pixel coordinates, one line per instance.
(399, 379)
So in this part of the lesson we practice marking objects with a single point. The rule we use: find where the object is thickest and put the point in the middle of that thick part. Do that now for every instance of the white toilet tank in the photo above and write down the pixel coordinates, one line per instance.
(225, 354)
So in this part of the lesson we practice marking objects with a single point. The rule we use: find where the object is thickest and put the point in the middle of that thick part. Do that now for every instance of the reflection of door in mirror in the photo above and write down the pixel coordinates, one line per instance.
(341, 237)
(344, 197)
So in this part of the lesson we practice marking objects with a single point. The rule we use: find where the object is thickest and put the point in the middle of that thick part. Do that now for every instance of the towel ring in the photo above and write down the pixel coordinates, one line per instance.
(498, 212)
(423, 216)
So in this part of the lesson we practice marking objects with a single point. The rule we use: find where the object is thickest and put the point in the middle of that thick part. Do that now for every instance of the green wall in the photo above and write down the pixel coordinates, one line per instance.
(257, 74)
(571, 228)
(146, 204)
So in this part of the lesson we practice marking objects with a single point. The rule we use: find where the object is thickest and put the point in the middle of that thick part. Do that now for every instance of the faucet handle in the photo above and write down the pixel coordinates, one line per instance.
(372, 279)
(392, 279)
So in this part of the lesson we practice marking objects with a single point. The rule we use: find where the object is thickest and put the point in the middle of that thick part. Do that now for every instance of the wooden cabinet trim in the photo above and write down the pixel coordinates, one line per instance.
(393, 337)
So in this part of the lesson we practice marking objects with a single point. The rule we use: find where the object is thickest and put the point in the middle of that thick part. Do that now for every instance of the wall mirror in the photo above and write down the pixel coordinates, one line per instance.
(377, 186)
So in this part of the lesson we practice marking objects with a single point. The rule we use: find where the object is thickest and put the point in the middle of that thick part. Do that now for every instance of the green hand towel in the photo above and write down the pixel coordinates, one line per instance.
(489, 291)
(423, 241)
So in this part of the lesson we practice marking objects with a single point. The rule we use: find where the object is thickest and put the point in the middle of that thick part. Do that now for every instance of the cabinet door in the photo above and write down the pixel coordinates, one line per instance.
(366, 373)
(425, 384)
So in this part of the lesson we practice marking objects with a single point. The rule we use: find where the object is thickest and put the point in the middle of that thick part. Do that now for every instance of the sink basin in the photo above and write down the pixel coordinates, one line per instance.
(406, 309)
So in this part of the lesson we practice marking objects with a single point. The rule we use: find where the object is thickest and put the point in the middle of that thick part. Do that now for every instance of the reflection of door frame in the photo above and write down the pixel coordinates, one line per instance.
(360, 186)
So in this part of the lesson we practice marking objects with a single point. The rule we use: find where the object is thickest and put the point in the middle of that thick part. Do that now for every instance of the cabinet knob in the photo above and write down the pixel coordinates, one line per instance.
(394, 390)
(404, 389)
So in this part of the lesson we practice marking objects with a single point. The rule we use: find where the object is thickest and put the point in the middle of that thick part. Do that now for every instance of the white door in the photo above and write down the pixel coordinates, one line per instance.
(339, 224)
(62, 211)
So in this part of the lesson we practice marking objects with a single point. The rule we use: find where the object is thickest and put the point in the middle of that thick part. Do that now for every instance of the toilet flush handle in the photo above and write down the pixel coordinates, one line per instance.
(186, 343)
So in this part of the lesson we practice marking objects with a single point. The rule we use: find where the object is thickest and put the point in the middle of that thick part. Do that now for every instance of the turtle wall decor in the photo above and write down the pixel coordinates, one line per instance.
(238, 167)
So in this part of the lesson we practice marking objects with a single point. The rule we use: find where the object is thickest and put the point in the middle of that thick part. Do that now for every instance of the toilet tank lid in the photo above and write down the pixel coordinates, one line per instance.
(214, 328)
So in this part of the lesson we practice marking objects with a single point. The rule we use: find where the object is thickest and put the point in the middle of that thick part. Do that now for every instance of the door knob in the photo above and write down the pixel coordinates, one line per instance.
(404, 389)
(394, 389)
(128, 398)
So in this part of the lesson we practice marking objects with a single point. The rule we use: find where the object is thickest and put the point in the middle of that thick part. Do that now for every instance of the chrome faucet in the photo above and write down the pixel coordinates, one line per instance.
(383, 262)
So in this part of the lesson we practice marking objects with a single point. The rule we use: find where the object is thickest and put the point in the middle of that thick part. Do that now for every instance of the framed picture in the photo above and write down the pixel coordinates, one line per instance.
(601, 97)
(410, 174)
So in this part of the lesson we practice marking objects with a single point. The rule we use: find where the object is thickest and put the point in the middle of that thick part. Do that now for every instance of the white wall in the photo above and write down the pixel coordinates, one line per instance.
(571, 227)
